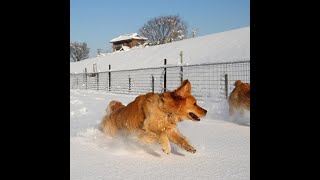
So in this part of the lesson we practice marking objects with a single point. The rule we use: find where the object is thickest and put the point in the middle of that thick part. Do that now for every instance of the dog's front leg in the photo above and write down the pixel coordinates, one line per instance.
(177, 138)
(164, 142)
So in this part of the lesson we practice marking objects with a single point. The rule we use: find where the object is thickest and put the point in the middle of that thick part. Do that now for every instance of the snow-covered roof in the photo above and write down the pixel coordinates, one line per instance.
(128, 37)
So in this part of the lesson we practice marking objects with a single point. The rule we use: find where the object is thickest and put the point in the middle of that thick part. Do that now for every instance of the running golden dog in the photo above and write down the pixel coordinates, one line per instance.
(239, 98)
(153, 117)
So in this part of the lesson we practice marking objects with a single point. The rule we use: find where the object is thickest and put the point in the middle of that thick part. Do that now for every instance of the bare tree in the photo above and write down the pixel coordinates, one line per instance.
(164, 29)
(79, 51)
(99, 51)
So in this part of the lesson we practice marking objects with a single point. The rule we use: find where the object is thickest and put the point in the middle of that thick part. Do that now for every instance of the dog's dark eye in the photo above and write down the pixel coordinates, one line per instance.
(195, 104)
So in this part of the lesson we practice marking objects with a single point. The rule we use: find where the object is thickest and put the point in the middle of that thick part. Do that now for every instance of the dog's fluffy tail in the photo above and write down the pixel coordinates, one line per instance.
(113, 106)
(106, 124)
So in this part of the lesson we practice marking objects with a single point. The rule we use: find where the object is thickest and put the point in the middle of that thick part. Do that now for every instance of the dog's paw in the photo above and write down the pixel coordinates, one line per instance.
(166, 151)
(192, 150)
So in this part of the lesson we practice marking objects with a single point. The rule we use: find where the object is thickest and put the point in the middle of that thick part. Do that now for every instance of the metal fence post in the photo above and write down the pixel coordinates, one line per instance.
(129, 83)
(109, 77)
(152, 83)
(226, 84)
(97, 75)
(181, 68)
(85, 73)
(165, 76)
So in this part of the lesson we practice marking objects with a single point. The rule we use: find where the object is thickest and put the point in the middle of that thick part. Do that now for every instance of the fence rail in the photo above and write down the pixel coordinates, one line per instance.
(207, 80)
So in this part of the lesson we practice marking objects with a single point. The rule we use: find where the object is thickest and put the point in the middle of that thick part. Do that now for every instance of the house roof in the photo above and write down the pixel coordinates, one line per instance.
(128, 37)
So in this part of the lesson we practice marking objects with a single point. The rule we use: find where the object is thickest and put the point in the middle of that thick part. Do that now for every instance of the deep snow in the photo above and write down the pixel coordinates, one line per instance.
(222, 143)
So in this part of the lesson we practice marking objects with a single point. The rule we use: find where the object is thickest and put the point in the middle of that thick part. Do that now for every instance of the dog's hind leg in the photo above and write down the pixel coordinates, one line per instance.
(241, 111)
(108, 127)
(177, 138)
(231, 110)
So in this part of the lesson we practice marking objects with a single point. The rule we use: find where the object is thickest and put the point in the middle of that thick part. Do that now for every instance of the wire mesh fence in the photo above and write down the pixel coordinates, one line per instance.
(214, 80)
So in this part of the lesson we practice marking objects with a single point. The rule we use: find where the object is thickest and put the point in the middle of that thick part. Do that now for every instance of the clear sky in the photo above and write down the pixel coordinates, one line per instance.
(98, 21)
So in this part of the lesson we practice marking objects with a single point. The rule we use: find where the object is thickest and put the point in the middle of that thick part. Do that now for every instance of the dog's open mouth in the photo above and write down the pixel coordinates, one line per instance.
(194, 117)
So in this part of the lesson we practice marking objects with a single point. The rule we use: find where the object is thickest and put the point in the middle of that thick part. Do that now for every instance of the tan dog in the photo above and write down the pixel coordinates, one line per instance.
(153, 117)
(239, 98)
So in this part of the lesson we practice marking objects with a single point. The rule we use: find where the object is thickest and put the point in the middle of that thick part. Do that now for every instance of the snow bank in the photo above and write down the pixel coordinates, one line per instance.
(233, 45)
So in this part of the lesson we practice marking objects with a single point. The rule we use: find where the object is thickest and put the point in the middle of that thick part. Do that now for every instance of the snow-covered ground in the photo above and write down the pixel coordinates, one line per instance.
(233, 45)
(222, 143)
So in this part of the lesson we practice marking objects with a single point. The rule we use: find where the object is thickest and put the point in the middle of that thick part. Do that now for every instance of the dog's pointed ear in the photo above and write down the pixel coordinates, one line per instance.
(237, 83)
(184, 90)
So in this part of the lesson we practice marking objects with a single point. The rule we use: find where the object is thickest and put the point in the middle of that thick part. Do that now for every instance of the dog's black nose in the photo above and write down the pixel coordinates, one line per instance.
(205, 111)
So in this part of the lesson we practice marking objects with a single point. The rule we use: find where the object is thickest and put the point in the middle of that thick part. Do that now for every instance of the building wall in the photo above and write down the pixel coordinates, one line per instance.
(131, 43)
(134, 42)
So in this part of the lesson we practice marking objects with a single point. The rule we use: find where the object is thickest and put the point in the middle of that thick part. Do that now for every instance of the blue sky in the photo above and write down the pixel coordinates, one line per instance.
(98, 21)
